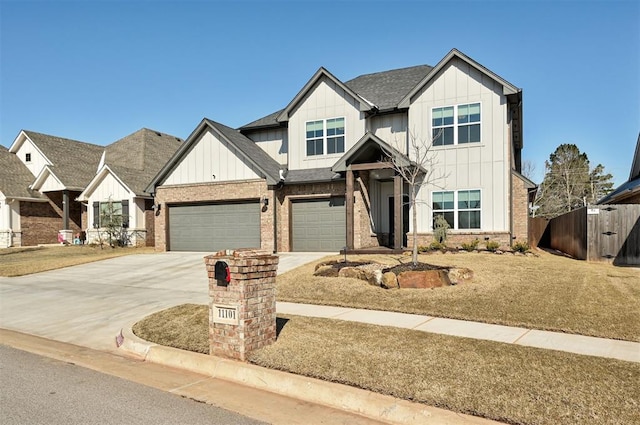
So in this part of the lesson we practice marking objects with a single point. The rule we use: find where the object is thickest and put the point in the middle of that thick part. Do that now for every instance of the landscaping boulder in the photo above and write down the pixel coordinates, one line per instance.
(459, 276)
(423, 279)
(326, 270)
(352, 272)
(389, 280)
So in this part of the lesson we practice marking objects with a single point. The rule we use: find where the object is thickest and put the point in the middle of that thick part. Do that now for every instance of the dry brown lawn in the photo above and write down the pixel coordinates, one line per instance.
(514, 384)
(27, 260)
(547, 292)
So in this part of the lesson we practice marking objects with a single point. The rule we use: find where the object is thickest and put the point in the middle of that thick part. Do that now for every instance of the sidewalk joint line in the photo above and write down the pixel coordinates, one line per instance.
(521, 336)
(422, 323)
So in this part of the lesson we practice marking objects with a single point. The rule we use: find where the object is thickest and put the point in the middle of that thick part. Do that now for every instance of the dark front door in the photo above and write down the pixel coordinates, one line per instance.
(405, 220)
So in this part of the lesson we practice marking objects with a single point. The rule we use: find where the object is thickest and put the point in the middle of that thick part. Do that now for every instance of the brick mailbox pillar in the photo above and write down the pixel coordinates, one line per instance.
(242, 311)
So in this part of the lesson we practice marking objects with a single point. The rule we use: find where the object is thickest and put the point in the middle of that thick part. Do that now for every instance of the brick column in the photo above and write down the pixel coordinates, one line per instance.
(242, 315)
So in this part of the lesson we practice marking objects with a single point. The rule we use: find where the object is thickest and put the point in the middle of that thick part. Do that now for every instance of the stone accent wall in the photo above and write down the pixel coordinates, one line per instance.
(363, 233)
(213, 192)
(520, 208)
(5, 238)
(242, 315)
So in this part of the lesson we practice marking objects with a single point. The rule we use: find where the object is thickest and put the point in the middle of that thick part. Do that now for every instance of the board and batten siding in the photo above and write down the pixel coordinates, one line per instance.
(51, 184)
(274, 142)
(392, 128)
(211, 159)
(38, 162)
(483, 165)
(325, 100)
(111, 188)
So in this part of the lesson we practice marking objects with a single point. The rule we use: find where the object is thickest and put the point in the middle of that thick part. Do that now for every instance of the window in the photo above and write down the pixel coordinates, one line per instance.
(325, 136)
(114, 213)
(456, 124)
(27, 157)
(461, 209)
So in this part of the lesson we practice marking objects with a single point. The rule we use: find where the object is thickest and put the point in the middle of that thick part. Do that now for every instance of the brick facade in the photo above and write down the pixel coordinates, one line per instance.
(149, 223)
(40, 222)
(242, 314)
(520, 209)
(214, 192)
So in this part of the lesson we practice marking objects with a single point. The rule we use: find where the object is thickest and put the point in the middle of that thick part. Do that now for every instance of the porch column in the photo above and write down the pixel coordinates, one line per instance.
(398, 226)
(65, 210)
(349, 208)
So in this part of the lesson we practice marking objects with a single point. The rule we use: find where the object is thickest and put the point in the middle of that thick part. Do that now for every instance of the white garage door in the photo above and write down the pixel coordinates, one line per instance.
(213, 227)
(319, 224)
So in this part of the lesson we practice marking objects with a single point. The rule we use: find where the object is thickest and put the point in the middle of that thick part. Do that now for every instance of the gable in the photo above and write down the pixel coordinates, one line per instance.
(47, 181)
(107, 186)
(24, 146)
(211, 159)
(323, 101)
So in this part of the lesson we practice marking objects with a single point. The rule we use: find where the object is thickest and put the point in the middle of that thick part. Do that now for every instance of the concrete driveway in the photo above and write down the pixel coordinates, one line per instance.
(88, 304)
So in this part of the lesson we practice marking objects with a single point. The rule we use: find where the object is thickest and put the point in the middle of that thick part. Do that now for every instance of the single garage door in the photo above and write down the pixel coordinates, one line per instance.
(212, 227)
(319, 224)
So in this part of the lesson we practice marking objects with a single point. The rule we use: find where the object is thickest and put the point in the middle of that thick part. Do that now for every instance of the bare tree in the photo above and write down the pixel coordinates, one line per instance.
(528, 169)
(417, 170)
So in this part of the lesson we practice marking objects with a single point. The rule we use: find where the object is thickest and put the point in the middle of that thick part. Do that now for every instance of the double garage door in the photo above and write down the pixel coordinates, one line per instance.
(213, 227)
(318, 224)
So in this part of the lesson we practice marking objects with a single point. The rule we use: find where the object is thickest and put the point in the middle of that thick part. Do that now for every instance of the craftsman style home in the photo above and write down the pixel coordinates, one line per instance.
(52, 171)
(48, 182)
(125, 169)
(322, 173)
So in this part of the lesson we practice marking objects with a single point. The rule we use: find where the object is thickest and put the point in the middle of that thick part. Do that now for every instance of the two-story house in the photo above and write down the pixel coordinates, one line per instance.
(317, 175)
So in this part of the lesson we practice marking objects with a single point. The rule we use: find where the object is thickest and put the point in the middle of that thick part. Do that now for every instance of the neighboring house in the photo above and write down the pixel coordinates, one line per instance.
(125, 170)
(60, 169)
(315, 176)
(629, 192)
(22, 210)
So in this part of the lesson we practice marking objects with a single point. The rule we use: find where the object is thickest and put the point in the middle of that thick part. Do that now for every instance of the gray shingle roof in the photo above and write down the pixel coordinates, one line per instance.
(249, 148)
(268, 121)
(15, 177)
(74, 162)
(138, 157)
(311, 176)
(384, 89)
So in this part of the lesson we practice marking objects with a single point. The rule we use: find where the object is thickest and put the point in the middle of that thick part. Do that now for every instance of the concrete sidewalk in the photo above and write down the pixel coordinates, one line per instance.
(579, 344)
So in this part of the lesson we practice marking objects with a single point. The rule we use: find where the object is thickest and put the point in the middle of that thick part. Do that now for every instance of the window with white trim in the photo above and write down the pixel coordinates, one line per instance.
(325, 136)
(460, 208)
(457, 125)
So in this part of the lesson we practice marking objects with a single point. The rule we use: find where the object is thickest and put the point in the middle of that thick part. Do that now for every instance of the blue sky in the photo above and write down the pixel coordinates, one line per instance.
(97, 71)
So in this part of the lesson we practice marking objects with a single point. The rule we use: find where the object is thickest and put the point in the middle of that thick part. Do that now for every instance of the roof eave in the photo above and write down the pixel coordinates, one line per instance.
(507, 87)
(365, 105)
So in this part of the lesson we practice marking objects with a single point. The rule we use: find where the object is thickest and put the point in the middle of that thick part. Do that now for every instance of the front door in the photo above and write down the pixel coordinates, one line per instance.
(405, 220)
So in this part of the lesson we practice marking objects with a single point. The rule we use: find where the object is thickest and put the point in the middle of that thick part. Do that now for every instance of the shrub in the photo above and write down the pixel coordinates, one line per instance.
(492, 246)
(422, 248)
(440, 228)
(437, 246)
(471, 246)
(521, 247)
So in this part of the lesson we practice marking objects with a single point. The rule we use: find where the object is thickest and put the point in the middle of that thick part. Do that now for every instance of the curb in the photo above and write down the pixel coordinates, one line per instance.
(343, 397)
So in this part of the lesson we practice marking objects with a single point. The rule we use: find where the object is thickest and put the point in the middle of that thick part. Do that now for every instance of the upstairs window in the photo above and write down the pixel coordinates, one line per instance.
(456, 124)
(27, 157)
(325, 136)
(460, 208)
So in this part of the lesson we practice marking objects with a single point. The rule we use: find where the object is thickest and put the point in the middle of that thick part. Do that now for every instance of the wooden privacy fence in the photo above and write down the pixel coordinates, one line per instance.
(595, 233)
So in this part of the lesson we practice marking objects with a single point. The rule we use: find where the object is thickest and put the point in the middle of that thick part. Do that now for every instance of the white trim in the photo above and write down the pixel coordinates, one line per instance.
(19, 141)
(456, 210)
(325, 150)
(42, 178)
(97, 180)
(456, 125)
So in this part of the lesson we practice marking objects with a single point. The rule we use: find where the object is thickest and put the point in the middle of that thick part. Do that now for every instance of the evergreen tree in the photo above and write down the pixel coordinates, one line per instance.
(570, 183)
